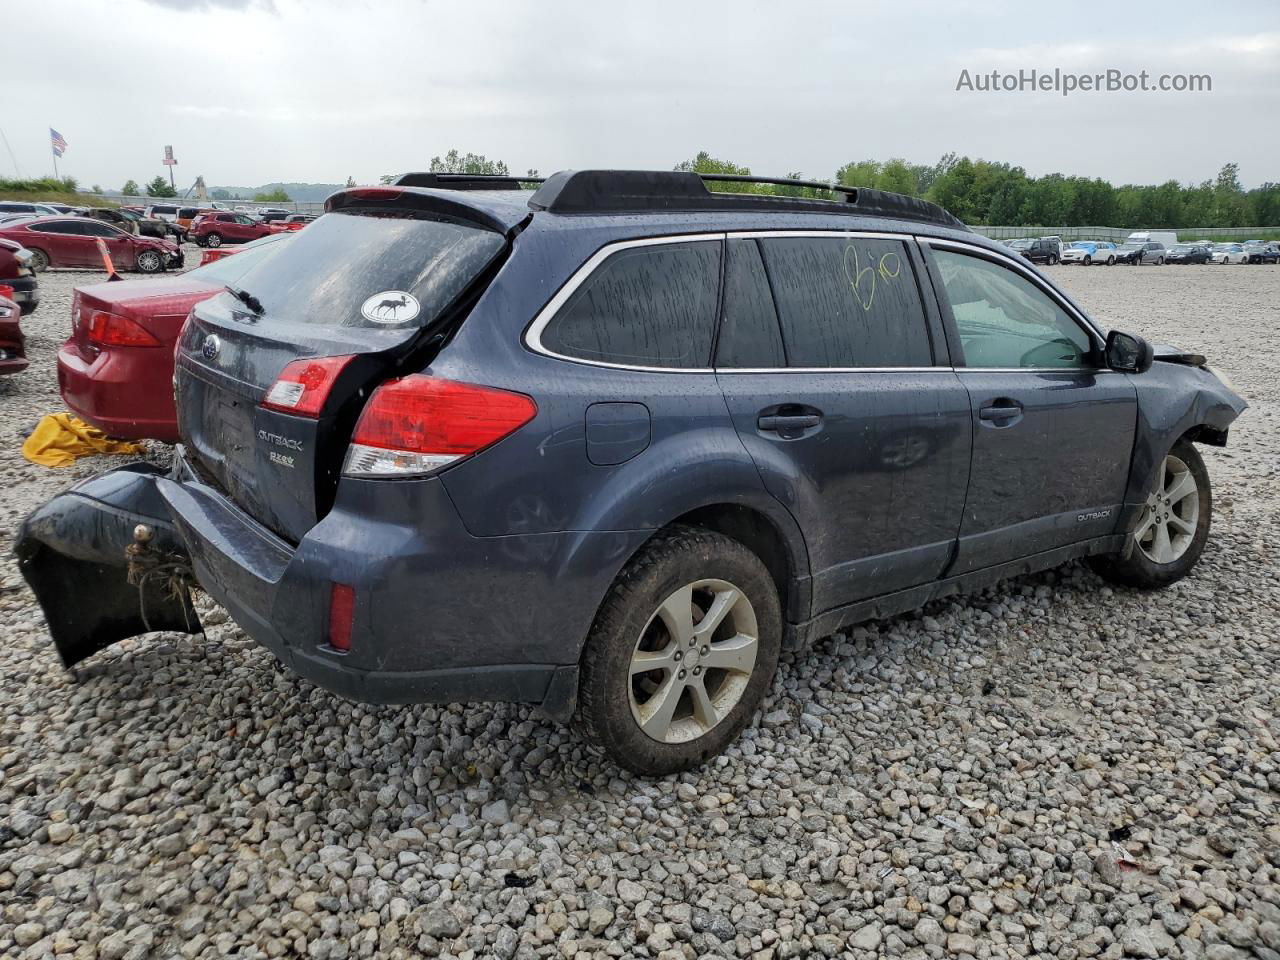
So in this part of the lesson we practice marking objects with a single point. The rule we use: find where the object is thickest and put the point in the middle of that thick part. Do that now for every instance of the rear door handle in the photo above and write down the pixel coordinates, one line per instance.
(1000, 411)
(781, 422)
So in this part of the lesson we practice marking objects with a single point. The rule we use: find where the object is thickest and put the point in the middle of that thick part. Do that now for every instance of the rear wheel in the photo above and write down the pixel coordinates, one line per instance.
(681, 654)
(213, 240)
(39, 259)
(1053, 261)
(1173, 529)
(149, 261)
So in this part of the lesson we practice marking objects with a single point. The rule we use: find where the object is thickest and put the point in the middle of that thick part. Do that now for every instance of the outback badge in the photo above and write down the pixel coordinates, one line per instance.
(211, 346)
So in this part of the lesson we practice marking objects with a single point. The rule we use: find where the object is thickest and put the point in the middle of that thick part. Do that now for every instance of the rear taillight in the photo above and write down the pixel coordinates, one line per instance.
(342, 610)
(374, 193)
(112, 330)
(304, 385)
(418, 424)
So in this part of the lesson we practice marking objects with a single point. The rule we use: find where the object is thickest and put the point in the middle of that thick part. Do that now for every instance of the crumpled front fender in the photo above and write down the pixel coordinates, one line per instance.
(71, 551)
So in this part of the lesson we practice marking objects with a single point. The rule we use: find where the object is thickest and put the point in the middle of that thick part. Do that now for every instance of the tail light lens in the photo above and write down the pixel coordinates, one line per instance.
(304, 385)
(342, 609)
(419, 424)
(112, 330)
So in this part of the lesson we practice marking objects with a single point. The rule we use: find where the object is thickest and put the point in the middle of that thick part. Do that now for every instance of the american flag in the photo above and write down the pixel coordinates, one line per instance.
(59, 144)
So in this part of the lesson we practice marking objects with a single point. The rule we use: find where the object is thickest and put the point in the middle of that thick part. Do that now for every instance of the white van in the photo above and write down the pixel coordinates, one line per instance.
(1167, 237)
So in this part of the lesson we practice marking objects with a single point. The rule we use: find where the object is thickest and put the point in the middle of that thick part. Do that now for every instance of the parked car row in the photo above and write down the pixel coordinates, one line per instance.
(1148, 247)
(64, 241)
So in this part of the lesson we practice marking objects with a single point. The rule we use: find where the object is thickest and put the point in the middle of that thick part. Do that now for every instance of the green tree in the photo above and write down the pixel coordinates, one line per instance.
(860, 173)
(159, 187)
(896, 177)
(477, 163)
(277, 195)
(130, 188)
(705, 163)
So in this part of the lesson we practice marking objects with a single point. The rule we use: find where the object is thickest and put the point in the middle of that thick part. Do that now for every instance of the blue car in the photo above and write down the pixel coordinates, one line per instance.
(610, 446)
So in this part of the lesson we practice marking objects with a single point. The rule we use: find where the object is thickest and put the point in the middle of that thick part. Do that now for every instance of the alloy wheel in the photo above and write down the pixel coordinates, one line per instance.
(149, 261)
(1168, 524)
(693, 661)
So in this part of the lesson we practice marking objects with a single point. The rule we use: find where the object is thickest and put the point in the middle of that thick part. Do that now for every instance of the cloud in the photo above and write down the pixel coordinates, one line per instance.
(188, 6)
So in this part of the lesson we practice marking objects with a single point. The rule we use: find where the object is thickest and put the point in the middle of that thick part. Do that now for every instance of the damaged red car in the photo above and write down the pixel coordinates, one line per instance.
(116, 370)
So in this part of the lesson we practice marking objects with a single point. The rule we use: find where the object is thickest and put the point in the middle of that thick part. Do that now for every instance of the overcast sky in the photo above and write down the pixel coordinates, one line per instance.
(253, 91)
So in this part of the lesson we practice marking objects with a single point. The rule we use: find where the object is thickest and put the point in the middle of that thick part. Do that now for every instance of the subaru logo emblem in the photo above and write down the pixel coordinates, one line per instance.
(210, 347)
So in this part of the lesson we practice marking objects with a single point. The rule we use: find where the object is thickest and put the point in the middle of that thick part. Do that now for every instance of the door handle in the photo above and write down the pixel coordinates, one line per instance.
(1002, 412)
(781, 422)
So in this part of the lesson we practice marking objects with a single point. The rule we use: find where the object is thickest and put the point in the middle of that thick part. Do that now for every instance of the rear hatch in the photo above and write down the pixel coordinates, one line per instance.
(378, 282)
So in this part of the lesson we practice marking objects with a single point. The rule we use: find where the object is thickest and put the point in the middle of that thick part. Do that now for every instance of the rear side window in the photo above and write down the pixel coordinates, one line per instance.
(847, 302)
(650, 306)
(404, 270)
(749, 333)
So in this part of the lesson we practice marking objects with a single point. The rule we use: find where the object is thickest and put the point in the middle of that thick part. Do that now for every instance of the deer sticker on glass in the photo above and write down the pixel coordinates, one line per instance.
(390, 306)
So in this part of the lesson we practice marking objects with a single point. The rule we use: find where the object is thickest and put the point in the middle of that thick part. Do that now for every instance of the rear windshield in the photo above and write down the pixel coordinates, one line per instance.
(231, 268)
(350, 270)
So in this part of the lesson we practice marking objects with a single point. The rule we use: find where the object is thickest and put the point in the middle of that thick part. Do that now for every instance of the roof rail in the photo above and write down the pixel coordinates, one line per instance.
(464, 181)
(631, 191)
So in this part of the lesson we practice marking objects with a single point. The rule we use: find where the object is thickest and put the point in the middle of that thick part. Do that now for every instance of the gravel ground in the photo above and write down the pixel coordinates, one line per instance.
(946, 783)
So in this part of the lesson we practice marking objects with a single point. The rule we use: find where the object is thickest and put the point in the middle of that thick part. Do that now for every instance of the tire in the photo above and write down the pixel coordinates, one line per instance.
(39, 259)
(149, 261)
(1111, 261)
(213, 239)
(1053, 261)
(1088, 260)
(683, 569)
(1159, 261)
(1185, 532)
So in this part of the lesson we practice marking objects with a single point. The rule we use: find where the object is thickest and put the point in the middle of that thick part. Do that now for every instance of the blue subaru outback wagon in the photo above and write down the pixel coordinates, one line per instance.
(611, 445)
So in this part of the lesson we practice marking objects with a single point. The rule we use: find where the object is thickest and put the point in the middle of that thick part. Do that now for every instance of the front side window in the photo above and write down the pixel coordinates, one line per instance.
(847, 302)
(648, 306)
(1004, 320)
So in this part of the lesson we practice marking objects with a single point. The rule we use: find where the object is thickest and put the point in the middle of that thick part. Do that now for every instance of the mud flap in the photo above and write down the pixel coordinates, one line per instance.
(71, 551)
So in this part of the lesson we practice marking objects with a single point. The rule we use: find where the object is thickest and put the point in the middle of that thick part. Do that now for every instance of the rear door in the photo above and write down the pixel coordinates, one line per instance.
(368, 287)
(1053, 430)
(826, 359)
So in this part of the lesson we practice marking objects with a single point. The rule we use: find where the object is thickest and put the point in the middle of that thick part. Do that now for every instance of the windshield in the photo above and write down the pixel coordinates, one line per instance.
(1183, 248)
(1130, 246)
(380, 271)
(1020, 244)
(1082, 246)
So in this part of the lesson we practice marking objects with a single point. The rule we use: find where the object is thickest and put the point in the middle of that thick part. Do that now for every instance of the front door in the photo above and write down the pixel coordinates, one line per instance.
(1053, 430)
(826, 361)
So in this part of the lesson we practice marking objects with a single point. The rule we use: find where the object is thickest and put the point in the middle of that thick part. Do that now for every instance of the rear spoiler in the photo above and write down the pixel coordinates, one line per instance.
(500, 218)
(464, 181)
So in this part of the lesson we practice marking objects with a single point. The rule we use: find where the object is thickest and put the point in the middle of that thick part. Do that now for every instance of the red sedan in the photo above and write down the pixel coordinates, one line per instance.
(13, 357)
(73, 242)
(116, 370)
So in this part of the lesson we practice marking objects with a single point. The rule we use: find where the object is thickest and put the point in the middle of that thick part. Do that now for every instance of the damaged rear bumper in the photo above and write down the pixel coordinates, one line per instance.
(73, 549)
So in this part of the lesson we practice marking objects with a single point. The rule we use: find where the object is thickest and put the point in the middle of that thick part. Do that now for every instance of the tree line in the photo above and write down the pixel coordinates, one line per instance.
(991, 193)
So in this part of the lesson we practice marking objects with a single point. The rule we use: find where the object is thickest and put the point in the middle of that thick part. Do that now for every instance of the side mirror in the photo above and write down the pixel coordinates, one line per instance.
(1128, 353)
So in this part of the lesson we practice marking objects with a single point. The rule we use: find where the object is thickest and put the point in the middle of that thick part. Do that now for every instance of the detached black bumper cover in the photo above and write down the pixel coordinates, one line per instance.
(71, 552)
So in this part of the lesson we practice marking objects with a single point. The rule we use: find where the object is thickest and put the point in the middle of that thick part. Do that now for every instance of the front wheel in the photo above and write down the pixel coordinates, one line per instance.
(39, 260)
(1173, 528)
(1088, 260)
(149, 261)
(213, 240)
(1111, 261)
(681, 654)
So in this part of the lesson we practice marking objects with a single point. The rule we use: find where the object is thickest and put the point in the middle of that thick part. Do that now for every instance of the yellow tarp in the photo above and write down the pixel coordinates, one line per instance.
(60, 439)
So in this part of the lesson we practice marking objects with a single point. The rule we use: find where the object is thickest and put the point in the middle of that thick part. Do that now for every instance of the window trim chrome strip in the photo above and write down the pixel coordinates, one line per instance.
(533, 334)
